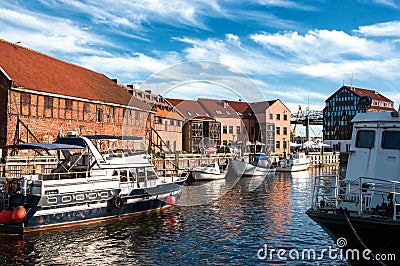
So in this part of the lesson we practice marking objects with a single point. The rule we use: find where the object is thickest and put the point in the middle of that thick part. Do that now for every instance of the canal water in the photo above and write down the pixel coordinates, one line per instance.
(247, 224)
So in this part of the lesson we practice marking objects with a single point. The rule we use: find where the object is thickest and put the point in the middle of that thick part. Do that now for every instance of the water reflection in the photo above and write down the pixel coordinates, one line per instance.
(227, 230)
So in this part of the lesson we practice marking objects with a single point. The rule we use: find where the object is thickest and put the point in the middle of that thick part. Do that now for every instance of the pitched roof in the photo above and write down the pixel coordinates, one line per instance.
(374, 95)
(188, 108)
(36, 71)
(260, 107)
(243, 108)
(218, 108)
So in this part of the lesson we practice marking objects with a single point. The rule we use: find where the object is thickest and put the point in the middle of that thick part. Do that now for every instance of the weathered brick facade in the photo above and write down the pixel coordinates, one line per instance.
(48, 116)
(47, 97)
(5, 83)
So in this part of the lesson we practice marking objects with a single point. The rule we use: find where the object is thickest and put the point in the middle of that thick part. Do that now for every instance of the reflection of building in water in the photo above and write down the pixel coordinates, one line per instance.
(277, 201)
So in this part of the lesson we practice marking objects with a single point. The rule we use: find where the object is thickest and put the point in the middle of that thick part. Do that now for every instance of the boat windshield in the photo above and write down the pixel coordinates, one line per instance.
(120, 147)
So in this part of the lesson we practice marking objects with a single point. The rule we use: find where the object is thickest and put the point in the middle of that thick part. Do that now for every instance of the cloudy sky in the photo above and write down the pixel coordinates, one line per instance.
(298, 51)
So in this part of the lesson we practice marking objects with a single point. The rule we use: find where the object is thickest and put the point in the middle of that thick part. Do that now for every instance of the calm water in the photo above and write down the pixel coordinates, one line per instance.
(230, 229)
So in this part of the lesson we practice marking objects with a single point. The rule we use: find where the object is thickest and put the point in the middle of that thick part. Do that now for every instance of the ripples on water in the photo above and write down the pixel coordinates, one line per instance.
(229, 230)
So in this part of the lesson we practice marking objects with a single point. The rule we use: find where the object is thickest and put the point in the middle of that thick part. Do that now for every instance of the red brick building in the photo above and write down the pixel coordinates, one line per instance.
(50, 96)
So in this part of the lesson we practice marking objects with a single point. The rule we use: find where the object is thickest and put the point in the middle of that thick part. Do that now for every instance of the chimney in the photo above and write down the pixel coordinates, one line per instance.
(115, 81)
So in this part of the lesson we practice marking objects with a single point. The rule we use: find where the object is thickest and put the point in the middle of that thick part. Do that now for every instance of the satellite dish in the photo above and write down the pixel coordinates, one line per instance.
(365, 101)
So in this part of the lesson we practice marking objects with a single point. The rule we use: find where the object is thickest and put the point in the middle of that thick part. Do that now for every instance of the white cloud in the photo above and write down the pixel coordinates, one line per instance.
(318, 45)
(285, 3)
(390, 3)
(47, 34)
(386, 29)
(129, 68)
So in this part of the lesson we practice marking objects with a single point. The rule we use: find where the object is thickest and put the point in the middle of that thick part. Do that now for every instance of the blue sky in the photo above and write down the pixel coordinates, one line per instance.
(298, 51)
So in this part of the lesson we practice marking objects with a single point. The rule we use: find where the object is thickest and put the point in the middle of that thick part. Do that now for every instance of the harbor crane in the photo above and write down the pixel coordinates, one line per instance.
(293, 133)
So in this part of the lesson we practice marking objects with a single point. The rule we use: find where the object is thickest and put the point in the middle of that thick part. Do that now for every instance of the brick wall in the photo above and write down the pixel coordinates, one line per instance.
(47, 116)
(5, 84)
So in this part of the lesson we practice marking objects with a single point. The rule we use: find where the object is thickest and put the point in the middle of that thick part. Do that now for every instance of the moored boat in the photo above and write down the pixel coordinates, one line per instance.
(361, 211)
(87, 185)
(295, 162)
(207, 171)
(259, 165)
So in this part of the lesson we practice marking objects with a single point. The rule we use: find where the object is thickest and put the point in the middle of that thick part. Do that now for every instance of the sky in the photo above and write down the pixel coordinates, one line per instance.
(299, 51)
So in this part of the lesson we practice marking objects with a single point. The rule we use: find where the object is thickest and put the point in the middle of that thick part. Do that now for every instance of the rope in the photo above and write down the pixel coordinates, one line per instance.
(360, 240)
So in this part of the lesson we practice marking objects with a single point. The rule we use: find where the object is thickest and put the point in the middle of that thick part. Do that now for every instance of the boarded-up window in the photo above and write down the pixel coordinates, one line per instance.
(25, 105)
(86, 111)
(48, 106)
(69, 105)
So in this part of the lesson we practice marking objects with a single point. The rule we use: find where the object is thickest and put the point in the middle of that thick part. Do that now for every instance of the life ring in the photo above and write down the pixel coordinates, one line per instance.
(118, 202)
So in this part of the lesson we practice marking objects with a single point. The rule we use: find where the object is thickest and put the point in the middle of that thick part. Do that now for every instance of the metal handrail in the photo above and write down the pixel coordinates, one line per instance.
(392, 186)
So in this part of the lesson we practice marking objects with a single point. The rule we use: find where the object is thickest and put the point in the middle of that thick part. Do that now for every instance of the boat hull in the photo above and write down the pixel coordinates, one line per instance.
(198, 176)
(293, 168)
(138, 202)
(252, 170)
(380, 235)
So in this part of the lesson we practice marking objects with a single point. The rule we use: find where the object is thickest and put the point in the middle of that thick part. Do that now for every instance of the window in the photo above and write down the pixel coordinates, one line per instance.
(230, 129)
(171, 122)
(48, 102)
(68, 105)
(285, 117)
(278, 130)
(238, 130)
(111, 112)
(86, 110)
(99, 115)
(391, 140)
(278, 116)
(284, 144)
(25, 99)
(224, 130)
(285, 131)
(25, 104)
(48, 106)
(365, 139)
(278, 144)
(271, 116)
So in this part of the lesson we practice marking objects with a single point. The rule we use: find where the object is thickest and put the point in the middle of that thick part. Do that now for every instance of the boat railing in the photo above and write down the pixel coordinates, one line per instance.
(330, 190)
(370, 186)
(73, 175)
(327, 191)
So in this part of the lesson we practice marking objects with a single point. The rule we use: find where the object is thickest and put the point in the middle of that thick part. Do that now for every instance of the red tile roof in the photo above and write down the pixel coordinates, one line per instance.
(36, 71)
(243, 108)
(188, 108)
(218, 108)
(374, 95)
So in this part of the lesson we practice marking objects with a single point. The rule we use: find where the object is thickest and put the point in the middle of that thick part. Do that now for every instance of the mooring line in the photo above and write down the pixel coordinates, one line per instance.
(360, 240)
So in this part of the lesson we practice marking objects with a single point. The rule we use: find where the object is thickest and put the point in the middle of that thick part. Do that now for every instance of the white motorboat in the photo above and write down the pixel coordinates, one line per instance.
(258, 165)
(295, 162)
(207, 171)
